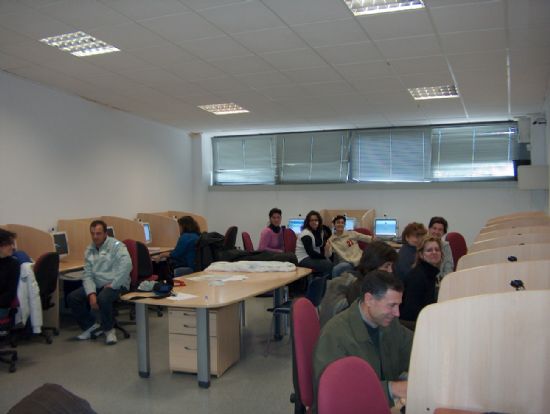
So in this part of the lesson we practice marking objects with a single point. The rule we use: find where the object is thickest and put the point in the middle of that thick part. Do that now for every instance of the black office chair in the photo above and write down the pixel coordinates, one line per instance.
(315, 292)
(230, 238)
(46, 272)
(9, 356)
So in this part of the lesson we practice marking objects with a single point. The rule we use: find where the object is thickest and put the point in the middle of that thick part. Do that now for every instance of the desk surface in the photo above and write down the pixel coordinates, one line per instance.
(208, 296)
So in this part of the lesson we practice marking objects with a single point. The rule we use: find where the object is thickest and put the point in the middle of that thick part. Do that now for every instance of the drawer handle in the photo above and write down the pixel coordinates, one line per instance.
(188, 348)
(189, 326)
(188, 314)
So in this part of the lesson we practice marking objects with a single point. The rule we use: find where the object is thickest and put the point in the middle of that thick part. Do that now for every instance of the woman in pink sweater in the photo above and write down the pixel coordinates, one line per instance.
(271, 238)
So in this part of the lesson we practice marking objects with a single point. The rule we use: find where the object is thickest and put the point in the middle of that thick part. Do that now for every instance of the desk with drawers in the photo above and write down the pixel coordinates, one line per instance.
(210, 299)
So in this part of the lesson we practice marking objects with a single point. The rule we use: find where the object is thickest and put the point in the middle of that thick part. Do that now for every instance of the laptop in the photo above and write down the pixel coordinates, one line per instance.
(386, 229)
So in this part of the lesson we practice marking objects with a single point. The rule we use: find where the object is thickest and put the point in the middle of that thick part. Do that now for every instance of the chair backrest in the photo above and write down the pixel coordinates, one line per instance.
(289, 240)
(316, 290)
(46, 272)
(207, 245)
(350, 386)
(458, 246)
(230, 238)
(305, 332)
(142, 268)
(247, 241)
(363, 230)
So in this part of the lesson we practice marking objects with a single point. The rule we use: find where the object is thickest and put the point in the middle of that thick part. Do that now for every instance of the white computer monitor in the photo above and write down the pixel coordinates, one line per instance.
(295, 224)
(146, 232)
(385, 228)
(110, 231)
(61, 243)
(351, 223)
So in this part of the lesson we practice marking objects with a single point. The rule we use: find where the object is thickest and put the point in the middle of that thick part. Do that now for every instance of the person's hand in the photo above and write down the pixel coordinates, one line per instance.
(93, 301)
(399, 389)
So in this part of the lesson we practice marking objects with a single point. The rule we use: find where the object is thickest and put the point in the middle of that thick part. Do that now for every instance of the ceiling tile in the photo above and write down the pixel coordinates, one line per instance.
(350, 53)
(484, 87)
(11, 37)
(117, 62)
(534, 36)
(364, 70)
(442, 108)
(419, 80)
(33, 24)
(215, 48)
(182, 27)
(84, 14)
(529, 59)
(264, 80)
(179, 88)
(32, 51)
(270, 40)
(163, 56)
(392, 25)
(128, 36)
(11, 62)
(76, 67)
(145, 9)
(331, 33)
(311, 75)
(328, 88)
(367, 85)
(194, 70)
(477, 41)
(152, 76)
(425, 64)
(223, 84)
(208, 4)
(472, 16)
(13, 6)
(242, 17)
(479, 60)
(243, 65)
(308, 11)
(409, 47)
(283, 91)
(294, 59)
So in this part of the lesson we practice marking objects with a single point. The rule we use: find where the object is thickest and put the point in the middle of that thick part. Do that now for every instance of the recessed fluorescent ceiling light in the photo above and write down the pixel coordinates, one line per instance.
(360, 7)
(434, 92)
(224, 109)
(79, 44)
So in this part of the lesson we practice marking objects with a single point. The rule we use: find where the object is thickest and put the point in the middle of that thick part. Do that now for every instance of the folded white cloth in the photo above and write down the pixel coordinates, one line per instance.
(251, 266)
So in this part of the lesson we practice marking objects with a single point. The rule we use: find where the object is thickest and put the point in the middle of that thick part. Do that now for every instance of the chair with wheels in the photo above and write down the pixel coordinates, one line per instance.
(9, 356)
(247, 242)
(289, 241)
(46, 272)
(350, 386)
(230, 238)
(315, 292)
(304, 331)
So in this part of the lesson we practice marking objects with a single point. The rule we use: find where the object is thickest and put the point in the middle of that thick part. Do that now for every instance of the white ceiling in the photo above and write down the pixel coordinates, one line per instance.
(295, 64)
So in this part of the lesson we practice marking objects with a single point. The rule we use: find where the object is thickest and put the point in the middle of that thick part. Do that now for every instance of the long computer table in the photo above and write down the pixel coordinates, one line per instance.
(208, 295)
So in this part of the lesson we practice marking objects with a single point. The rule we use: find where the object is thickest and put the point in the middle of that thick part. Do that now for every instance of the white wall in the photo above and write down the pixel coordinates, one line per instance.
(64, 157)
(466, 206)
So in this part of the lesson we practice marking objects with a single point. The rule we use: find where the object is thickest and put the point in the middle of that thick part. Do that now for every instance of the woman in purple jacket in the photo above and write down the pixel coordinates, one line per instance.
(271, 238)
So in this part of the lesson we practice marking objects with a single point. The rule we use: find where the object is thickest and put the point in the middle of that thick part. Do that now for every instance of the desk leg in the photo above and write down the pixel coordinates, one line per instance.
(142, 329)
(277, 300)
(203, 348)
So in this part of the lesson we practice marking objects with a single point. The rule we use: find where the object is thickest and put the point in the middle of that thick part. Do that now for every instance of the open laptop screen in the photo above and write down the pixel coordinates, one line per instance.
(385, 228)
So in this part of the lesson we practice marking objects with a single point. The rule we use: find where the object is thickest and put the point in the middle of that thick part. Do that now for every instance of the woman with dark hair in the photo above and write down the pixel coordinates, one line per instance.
(9, 274)
(182, 258)
(421, 281)
(271, 237)
(342, 291)
(411, 237)
(310, 245)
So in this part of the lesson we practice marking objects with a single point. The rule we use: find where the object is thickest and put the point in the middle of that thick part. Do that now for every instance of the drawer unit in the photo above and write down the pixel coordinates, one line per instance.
(224, 332)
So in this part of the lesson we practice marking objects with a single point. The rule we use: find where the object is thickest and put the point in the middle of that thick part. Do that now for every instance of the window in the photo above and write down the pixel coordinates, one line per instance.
(409, 154)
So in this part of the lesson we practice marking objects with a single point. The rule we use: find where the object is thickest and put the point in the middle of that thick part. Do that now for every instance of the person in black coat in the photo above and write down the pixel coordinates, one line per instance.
(421, 281)
(9, 272)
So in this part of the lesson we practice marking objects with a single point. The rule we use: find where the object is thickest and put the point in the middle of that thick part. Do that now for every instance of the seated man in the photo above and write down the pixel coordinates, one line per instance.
(438, 228)
(106, 275)
(370, 329)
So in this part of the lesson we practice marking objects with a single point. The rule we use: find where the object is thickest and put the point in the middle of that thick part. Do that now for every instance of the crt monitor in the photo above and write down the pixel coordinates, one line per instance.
(61, 244)
(110, 231)
(385, 228)
(147, 232)
(351, 223)
(295, 224)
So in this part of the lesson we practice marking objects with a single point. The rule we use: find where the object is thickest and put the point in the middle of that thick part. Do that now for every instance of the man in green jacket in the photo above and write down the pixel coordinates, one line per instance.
(370, 329)
(107, 267)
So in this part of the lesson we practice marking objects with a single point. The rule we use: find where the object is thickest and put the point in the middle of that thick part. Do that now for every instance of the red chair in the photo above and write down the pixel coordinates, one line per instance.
(363, 230)
(305, 330)
(350, 386)
(458, 246)
(289, 241)
(247, 242)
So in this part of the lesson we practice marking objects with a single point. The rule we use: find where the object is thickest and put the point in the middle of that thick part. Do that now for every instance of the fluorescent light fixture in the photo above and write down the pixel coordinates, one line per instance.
(79, 44)
(434, 92)
(360, 7)
(224, 109)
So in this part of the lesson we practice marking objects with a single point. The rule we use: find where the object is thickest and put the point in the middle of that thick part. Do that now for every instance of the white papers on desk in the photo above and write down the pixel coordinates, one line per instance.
(181, 296)
(218, 277)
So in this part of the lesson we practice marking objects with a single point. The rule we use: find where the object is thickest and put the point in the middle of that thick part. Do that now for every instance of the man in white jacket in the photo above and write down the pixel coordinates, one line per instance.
(106, 275)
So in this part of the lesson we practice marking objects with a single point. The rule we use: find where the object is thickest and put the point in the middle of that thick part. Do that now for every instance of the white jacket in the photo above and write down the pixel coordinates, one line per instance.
(28, 294)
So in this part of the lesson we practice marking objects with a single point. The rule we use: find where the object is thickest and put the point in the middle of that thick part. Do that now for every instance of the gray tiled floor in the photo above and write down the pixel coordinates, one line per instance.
(107, 375)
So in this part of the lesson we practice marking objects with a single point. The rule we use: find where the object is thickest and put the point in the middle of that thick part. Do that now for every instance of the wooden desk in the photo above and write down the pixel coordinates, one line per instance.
(67, 264)
(535, 251)
(510, 240)
(209, 297)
